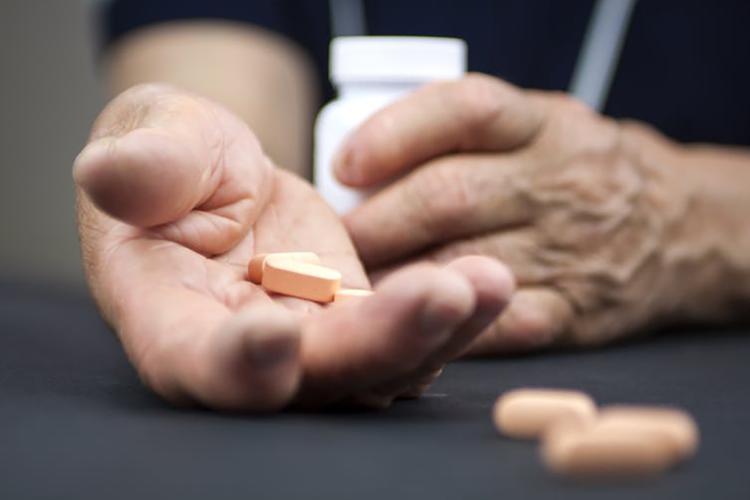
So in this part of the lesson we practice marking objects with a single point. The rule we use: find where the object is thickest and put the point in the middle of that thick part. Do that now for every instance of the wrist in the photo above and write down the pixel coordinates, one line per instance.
(708, 248)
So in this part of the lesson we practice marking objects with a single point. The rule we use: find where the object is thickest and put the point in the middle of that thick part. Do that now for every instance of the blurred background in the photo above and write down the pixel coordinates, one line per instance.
(49, 96)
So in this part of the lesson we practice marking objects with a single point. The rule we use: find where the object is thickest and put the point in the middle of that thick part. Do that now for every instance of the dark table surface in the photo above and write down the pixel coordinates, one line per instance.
(76, 423)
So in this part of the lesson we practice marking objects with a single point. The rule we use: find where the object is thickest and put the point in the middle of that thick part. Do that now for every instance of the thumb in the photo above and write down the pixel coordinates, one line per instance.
(147, 177)
(163, 157)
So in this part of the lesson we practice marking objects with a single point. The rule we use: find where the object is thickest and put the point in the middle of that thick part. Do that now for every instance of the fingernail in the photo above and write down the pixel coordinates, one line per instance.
(345, 166)
(272, 350)
(437, 321)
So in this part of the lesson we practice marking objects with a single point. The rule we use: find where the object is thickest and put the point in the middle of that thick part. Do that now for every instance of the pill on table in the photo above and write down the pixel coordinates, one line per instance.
(347, 294)
(255, 267)
(675, 427)
(527, 413)
(300, 279)
(588, 450)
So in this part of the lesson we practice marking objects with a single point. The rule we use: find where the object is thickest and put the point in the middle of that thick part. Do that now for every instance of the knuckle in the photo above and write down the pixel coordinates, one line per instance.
(378, 130)
(480, 100)
(567, 115)
(635, 134)
(568, 103)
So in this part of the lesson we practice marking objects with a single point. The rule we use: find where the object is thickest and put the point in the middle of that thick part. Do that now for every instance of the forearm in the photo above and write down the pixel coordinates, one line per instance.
(259, 76)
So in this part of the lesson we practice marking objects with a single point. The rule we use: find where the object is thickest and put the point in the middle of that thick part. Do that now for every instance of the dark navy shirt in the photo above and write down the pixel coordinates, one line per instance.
(684, 68)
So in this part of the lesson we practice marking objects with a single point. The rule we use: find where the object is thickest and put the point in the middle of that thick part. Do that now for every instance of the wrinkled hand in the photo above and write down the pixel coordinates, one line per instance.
(176, 196)
(583, 209)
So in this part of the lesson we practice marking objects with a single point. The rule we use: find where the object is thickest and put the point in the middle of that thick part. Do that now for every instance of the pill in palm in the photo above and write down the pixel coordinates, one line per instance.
(300, 279)
(527, 413)
(348, 294)
(257, 263)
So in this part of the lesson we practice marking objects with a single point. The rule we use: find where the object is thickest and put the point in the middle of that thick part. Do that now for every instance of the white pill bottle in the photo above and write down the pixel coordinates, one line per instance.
(368, 73)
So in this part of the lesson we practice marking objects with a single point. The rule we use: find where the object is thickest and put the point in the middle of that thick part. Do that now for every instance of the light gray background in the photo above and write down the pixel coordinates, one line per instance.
(49, 95)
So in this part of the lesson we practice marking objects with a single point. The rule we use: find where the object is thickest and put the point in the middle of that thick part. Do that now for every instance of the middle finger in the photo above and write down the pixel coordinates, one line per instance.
(445, 199)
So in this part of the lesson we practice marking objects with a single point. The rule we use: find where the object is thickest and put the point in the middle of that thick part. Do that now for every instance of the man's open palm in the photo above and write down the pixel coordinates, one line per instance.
(176, 196)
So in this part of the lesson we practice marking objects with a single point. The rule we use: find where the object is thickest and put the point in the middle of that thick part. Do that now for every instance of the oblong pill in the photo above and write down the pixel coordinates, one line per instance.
(527, 413)
(589, 451)
(675, 427)
(300, 279)
(256, 264)
(347, 294)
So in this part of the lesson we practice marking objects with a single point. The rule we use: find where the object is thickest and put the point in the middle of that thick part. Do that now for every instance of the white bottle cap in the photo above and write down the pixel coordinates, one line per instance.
(396, 59)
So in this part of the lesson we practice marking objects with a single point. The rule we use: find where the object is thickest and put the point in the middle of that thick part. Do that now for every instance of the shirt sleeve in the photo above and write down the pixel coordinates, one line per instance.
(120, 17)
(305, 22)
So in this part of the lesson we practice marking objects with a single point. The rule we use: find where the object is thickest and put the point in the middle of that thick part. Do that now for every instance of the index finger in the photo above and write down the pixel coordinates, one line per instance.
(476, 113)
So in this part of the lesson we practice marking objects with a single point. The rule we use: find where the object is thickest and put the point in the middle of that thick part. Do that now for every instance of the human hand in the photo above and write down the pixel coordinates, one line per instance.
(586, 211)
(175, 197)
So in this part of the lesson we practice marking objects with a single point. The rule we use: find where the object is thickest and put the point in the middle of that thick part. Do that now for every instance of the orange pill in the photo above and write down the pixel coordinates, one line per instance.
(347, 294)
(674, 427)
(528, 413)
(590, 451)
(301, 279)
(257, 263)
